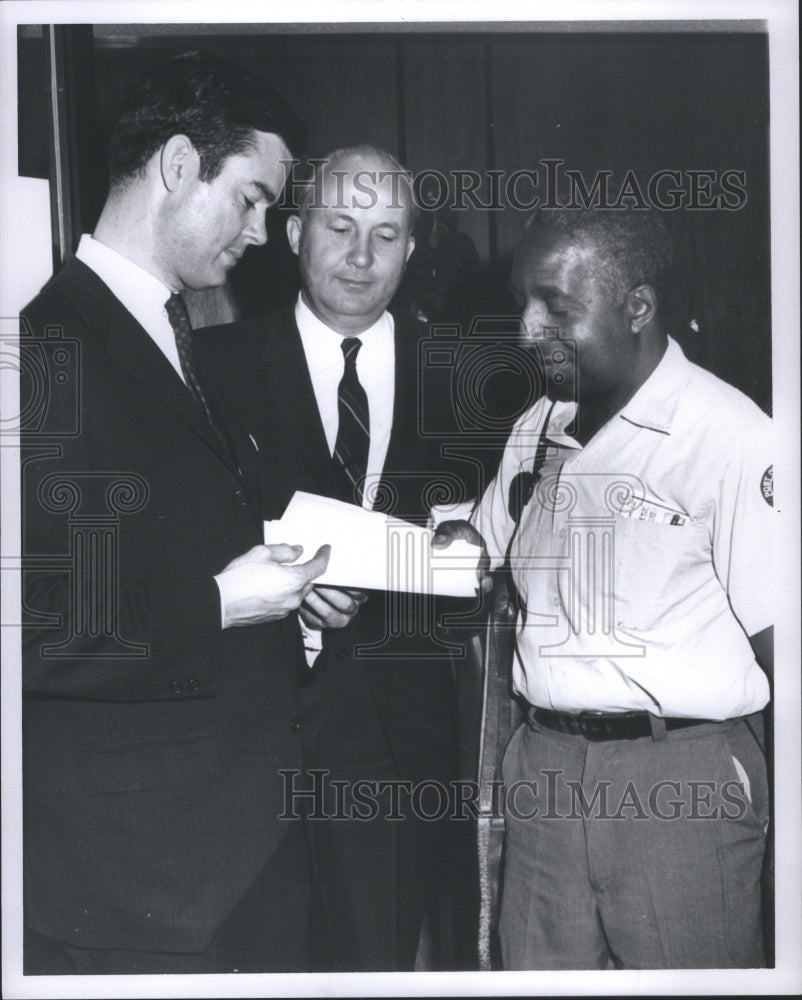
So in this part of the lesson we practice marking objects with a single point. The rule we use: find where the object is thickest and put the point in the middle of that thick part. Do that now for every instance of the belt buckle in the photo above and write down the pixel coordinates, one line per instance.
(592, 725)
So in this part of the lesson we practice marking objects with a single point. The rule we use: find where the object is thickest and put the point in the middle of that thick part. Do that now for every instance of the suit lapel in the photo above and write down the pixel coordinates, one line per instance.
(289, 388)
(134, 350)
(401, 450)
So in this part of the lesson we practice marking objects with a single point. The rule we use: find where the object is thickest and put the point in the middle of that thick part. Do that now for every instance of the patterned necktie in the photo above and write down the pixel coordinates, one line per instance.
(182, 328)
(350, 457)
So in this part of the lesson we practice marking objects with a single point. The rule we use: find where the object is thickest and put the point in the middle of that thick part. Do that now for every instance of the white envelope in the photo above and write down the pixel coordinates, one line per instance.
(371, 551)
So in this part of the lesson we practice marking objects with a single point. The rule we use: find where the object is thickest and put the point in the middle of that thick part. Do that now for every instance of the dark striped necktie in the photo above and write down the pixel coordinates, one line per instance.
(179, 320)
(350, 459)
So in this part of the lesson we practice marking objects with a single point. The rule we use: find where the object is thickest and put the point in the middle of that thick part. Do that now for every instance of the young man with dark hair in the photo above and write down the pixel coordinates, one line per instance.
(159, 664)
(217, 104)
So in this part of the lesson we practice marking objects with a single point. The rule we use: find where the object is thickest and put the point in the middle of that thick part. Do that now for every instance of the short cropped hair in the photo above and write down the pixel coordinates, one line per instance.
(303, 194)
(217, 104)
(635, 244)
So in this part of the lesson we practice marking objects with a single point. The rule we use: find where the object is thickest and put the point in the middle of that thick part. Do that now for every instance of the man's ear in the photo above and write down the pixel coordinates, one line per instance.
(640, 307)
(179, 162)
(410, 247)
(294, 227)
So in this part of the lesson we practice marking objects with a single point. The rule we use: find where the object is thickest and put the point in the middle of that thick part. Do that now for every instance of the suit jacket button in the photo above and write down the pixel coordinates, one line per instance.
(295, 725)
(239, 498)
(193, 684)
(341, 654)
(176, 687)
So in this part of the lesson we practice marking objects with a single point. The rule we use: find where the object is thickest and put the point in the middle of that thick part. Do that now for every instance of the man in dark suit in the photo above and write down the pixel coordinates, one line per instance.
(159, 664)
(329, 389)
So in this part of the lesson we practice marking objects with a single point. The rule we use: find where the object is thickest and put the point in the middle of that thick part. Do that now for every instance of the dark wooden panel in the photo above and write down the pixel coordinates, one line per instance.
(446, 120)
(343, 88)
(31, 107)
(615, 102)
(643, 104)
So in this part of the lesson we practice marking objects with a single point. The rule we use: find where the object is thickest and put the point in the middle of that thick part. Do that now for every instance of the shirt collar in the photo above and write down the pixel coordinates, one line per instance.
(323, 345)
(654, 405)
(142, 294)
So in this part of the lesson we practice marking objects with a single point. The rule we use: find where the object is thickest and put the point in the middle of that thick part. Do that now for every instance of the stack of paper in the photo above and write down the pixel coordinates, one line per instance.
(371, 551)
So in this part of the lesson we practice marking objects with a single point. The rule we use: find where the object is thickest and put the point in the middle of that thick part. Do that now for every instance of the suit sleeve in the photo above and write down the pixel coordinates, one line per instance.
(92, 631)
(93, 627)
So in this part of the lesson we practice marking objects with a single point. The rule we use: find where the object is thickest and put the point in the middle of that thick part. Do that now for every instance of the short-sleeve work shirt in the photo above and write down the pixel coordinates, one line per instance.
(643, 559)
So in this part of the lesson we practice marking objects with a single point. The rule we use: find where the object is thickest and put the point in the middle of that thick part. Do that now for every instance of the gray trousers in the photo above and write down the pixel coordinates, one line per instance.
(639, 854)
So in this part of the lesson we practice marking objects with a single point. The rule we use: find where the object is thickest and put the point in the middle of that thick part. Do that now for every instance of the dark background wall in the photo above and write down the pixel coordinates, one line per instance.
(471, 100)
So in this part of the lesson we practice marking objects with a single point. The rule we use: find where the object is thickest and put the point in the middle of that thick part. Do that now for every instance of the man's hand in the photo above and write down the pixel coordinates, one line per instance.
(259, 586)
(449, 531)
(331, 607)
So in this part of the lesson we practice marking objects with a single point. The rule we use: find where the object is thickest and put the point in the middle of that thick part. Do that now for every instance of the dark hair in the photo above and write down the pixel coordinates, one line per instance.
(215, 103)
(635, 243)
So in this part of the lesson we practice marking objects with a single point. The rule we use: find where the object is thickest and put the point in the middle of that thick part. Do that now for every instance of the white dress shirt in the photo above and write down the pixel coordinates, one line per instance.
(142, 294)
(375, 367)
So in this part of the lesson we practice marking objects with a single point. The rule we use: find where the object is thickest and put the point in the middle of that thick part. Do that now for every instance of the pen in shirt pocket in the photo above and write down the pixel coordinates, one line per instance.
(640, 509)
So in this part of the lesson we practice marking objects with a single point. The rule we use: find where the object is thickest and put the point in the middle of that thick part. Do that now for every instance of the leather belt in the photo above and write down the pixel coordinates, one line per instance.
(599, 726)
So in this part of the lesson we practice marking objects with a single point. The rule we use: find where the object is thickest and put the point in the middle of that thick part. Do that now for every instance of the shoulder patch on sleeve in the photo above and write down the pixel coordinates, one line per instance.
(767, 486)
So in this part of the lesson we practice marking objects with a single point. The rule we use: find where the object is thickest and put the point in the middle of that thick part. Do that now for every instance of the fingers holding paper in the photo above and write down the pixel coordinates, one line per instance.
(374, 551)
(331, 607)
(448, 532)
(265, 583)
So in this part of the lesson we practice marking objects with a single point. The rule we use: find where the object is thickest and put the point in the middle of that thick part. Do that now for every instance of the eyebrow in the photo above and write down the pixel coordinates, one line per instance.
(346, 216)
(544, 291)
(267, 192)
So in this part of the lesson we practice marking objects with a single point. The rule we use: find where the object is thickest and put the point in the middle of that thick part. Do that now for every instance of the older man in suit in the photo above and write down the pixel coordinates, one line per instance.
(159, 664)
(329, 389)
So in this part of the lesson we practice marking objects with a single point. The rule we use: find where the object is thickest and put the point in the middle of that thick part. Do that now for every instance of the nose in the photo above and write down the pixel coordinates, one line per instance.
(535, 319)
(360, 253)
(256, 230)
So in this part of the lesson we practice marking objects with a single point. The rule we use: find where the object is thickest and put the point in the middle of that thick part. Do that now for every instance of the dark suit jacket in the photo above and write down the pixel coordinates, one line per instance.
(152, 738)
(260, 366)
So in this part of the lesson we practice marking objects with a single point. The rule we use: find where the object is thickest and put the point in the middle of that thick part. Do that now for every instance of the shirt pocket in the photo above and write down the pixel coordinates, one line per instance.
(652, 571)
